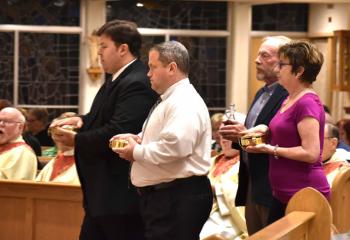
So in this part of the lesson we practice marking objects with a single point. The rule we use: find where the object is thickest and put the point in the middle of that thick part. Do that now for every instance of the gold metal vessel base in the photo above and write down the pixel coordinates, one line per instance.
(118, 143)
(251, 140)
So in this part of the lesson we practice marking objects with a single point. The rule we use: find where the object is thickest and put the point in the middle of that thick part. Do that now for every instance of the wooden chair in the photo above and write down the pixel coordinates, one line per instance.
(308, 216)
(340, 201)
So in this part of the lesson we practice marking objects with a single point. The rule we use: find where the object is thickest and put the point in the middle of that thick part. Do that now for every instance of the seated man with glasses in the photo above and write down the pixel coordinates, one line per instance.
(17, 159)
(334, 159)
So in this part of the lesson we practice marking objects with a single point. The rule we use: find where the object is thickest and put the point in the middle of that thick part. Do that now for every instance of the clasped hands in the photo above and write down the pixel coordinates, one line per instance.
(233, 130)
(127, 151)
(64, 136)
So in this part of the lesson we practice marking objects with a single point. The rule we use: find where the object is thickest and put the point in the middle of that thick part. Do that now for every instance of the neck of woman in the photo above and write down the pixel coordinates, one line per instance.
(296, 92)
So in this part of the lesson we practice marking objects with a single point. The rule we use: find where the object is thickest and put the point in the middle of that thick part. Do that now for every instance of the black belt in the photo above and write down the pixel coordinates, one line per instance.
(165, 185)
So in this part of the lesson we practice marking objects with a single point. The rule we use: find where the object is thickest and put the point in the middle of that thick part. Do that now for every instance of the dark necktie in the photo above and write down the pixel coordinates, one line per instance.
(143, 133)
(149, 115)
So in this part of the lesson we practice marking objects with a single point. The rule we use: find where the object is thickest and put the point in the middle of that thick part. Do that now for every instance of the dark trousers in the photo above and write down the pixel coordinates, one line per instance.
(112, 227)
(256, 215)
(177, 212)
(277, 211)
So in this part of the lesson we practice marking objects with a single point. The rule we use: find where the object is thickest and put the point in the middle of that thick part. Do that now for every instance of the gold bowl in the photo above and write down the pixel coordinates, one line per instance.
(251, 139)
(118, 143)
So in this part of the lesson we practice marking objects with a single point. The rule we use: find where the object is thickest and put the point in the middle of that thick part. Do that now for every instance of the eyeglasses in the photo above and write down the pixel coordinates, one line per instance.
(281, 64)
(7, 123)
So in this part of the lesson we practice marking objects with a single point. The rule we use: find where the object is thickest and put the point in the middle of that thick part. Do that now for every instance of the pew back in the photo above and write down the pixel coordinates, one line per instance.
(33, 211)
(308, 216)
(340, 201)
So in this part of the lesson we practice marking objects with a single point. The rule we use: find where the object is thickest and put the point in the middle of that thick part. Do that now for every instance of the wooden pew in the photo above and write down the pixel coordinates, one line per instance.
(308, 216)
(39, 211)
(340, 201)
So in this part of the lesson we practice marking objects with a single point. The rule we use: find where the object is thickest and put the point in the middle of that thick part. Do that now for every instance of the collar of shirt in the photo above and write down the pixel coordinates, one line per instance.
(68, 153)
(171, 89)
(116, 75)
(19, 139)
(270, 88)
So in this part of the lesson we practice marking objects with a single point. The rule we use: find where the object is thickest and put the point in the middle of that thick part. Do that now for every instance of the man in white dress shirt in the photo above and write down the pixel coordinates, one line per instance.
(171, 157)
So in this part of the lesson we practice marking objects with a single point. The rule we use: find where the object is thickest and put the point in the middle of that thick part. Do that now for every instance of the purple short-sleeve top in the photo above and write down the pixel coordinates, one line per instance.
(288, 176)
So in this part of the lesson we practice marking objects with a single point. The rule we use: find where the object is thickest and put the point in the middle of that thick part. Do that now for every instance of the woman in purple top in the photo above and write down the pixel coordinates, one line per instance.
(296, 132)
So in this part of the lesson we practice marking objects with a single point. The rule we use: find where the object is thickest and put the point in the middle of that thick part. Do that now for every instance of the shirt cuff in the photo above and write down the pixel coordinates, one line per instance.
(138, 153)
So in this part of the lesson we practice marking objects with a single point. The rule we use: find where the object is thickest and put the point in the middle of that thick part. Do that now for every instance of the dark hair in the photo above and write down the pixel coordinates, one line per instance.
(123, 32)
(333, 131)
(5, 103)
(173, 51)
(303, 54)
(41, 114)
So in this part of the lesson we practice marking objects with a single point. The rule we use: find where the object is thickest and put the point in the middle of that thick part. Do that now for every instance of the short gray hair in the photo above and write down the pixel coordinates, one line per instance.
(173, 51)
(278, 41)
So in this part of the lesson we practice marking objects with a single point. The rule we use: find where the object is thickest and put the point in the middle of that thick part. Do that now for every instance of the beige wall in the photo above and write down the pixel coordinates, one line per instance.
(323, 20)
(95, 17)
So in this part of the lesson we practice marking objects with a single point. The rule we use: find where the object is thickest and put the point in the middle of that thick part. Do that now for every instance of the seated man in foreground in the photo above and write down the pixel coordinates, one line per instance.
(334, 159)
(17, 159)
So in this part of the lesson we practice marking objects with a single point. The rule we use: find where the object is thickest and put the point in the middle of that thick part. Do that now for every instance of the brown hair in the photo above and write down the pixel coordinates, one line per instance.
(123, 32)
(303, 54)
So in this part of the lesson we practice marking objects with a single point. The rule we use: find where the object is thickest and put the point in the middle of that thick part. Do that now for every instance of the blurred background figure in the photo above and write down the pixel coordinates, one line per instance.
(344, 133)
(5, 103)
(17, 159)
(225, 218)
(334, 159)
(62, 167)
(216, 120)
(328, 115)
(37, 124)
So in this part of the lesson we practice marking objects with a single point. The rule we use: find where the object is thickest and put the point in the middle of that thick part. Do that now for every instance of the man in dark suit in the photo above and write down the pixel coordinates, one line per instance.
(254, 191)
(120, 106)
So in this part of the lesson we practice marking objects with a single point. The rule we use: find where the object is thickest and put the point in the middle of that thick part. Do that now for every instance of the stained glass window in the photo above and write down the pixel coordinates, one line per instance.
(6, 65)
(171, 14)
(280, 17)
(49, 75)
(40, 12)
(208, 67)
(147, 43)
(208, 54)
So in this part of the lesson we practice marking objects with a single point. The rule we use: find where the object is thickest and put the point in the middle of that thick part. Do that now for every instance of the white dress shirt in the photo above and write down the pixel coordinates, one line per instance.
(177, 139)
(116, 75)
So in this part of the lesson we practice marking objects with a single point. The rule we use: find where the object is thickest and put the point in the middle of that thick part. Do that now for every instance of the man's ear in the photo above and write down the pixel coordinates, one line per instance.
(334, 142)
(124, 49)
(172, 67)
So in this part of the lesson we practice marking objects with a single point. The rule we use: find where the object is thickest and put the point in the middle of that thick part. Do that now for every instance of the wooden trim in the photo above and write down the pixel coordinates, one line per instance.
(40, 211)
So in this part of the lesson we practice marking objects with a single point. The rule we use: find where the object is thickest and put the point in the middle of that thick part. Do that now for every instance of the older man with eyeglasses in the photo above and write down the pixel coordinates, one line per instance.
(17, 159)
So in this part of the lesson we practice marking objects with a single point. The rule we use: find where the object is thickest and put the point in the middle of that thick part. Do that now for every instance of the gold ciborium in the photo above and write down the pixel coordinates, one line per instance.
(251, 139)
(118, 143)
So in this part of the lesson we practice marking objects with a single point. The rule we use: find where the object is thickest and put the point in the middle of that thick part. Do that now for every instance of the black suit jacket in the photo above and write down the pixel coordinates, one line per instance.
(120, 106)
(259, 163)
